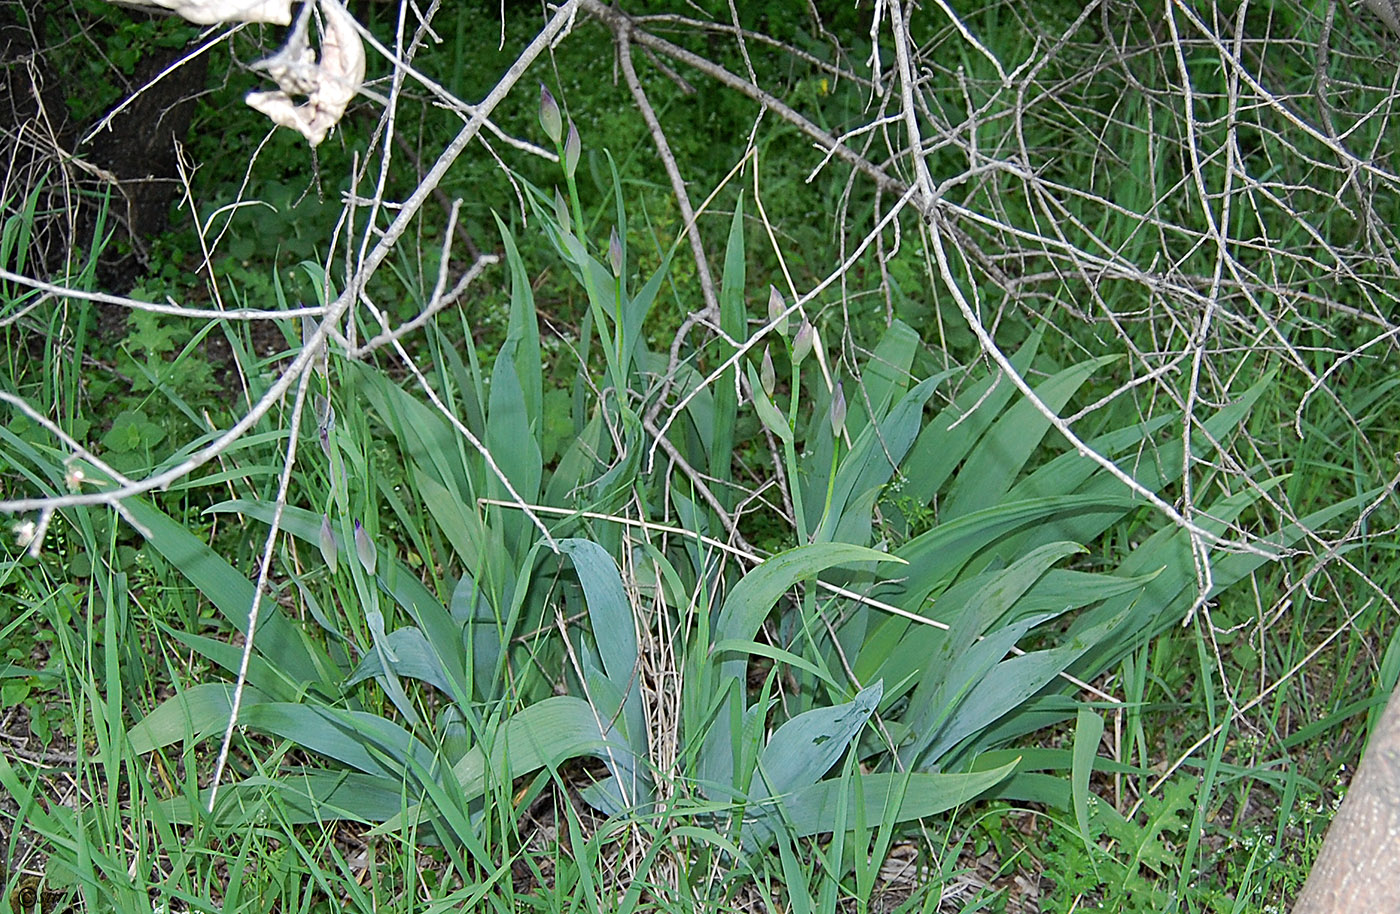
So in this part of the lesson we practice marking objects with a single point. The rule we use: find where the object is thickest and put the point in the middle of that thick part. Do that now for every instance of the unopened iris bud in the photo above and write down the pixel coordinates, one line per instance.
(802, 343)
(776, 310)
(573, 148)
(330, 550)
(838, 411)
(766, 375)
(550, 119)
(615, 253)
(364, 548)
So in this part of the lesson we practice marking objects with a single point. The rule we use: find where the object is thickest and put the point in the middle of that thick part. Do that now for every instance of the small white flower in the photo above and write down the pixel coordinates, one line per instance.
(74, 478)
(24, 532)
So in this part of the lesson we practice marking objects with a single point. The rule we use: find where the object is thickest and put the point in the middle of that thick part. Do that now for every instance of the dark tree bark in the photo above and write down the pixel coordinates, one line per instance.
(1359, 867)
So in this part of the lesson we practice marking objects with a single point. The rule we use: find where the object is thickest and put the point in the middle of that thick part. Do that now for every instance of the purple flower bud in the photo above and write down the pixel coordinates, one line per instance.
(802, 343)
(838, 411)
(550, 118)
(766, 375)
(364, 548)
(776, 307)
(330, 551)
(325, 423)
(615, 253)
(573, 147)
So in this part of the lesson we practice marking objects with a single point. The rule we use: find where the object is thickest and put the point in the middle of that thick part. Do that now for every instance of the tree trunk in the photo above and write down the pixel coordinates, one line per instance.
(1359, 866)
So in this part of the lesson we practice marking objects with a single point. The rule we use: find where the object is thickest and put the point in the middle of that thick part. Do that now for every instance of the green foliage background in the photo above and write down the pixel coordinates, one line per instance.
(578, 601)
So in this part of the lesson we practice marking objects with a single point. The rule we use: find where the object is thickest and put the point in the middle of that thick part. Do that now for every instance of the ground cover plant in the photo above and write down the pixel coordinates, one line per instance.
(862, 458)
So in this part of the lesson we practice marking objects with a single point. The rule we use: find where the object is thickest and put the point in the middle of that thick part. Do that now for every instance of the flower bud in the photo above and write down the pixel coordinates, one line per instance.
(802, 343)
(615, 253)
(766, 375)
(364, 548)
(768, 414)
(550, 119)
(330, 551)
(838, 411)
(776, 307)
(573, 148)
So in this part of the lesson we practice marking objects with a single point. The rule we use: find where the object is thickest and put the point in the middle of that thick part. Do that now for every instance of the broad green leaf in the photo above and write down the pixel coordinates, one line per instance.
(1152, 465)
(280, 641)
(509, 434)
(885, 376)
(753, 597)
(1001, 455)
(363, 741)
(412, 657)
(811, 811)
(1016, 679)
(262, 675)
(543, 735)
(614, 633)
(604, 306)
(423, 433)
(1050, 708)
(1051, 790)
(795, 878)
(388, 668)
(1087, 733)
(895, 648)
(748, 604)
(1044, 758)
(197, 713)
(626, 788)
(945, 441)
(733, 320)
(443, 634)
(941, 697)
(523, 330)
(396, 578)
(482, 637)
(635, 310)
(461, 526)
(805, 747)
(300, 797)
(777, 654)
(1069, 471)
(875, 455)
(609, 610)
(934, 557)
